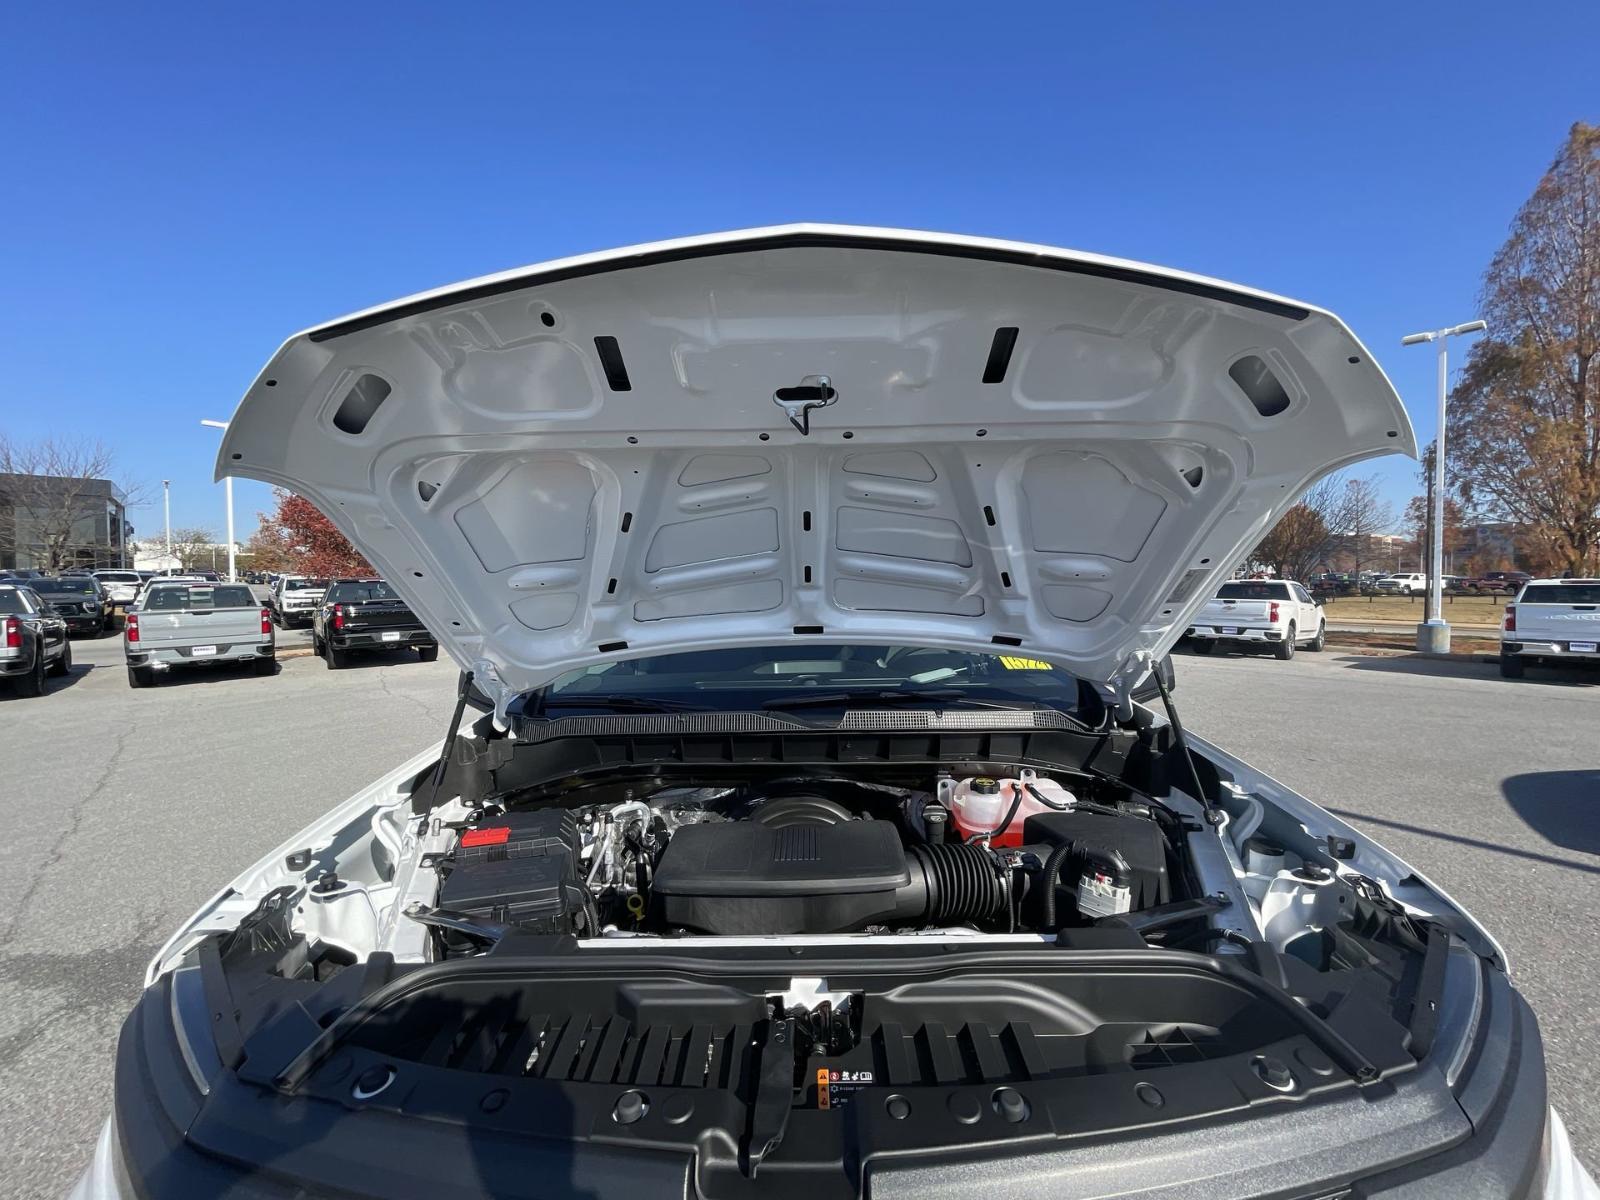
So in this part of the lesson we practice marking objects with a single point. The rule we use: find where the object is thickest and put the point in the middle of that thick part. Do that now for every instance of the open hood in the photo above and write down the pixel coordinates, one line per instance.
(856, 435)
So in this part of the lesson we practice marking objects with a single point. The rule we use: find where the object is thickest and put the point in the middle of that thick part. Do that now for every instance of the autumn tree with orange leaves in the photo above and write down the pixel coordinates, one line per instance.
(296, 538)
(1525, 418)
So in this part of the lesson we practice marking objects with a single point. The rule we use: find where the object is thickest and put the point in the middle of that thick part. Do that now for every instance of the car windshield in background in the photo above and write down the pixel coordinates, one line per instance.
(175, 597)
(304, 585)
(1561, 593)
(65, 587)
(356, 593)
(749, 679)
(1253, 590)
(117, 577)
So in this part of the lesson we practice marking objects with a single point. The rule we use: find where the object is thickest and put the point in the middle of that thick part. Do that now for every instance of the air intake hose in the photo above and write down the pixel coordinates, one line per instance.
(950, 884)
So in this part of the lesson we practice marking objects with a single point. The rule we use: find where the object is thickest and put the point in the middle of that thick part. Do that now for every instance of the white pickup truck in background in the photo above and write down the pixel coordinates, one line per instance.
(1273, 612)
(1551, 620)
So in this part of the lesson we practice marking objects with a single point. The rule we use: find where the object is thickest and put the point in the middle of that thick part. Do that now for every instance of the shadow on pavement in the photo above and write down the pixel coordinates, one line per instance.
(52, 683)
(196, 676)
(79, 671)
(1408, 664)
(1561, 806)
(1476, 843)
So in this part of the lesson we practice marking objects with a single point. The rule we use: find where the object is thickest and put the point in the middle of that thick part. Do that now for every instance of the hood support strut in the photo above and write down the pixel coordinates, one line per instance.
(1213, 817)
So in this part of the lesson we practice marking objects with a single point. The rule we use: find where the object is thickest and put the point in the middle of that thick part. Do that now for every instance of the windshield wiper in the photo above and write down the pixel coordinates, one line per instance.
(885, 696)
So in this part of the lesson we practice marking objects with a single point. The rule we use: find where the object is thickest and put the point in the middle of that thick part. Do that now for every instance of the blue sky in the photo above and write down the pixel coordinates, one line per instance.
(185, 186)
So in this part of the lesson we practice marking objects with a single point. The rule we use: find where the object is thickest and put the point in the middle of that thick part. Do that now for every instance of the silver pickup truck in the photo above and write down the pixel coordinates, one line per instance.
(186, 623)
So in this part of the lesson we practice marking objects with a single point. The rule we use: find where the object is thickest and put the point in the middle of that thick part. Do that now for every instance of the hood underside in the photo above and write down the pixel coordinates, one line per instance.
(856, 435)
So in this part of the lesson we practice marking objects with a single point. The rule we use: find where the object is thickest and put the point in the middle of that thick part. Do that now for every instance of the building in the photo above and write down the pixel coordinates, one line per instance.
(53, 523)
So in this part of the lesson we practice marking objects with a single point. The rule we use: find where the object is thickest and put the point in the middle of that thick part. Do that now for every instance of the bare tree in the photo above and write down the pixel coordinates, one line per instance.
(1359, 514)
(1303, 536)
(1525, 425)
(48, 491)
(194, 547)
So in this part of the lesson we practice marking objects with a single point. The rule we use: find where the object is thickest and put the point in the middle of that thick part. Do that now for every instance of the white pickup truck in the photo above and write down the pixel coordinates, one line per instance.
(1551, 620)
(1272, 612)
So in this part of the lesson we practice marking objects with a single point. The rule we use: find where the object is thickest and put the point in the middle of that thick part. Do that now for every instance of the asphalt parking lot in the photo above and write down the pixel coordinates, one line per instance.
(126, 810)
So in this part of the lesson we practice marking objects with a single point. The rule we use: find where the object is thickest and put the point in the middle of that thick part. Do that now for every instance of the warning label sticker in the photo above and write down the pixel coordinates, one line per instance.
(835, 1089)
(1012, 663)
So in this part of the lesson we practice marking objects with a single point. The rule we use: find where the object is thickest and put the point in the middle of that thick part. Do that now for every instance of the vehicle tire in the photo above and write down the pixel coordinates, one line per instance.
(428, 653)
(139, 677)
(1203, 645)
(1406, 591)
(334, 657)
(267, 666)
(316, 644)
(1321, 640)
(62, 665)
(32, 684)
(1512, 666)
(276, 617)
(1285, 648)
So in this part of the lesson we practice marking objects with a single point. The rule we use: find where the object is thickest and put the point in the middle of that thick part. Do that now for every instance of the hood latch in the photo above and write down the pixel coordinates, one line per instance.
(814, 391)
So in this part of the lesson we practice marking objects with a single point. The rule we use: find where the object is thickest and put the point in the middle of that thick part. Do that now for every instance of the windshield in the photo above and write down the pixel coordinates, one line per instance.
(65, 587)
(171, 597)
(355, 593)
(1561, 593)
(743, 680)
(304, 585)
(117, 577)
(1253, 590)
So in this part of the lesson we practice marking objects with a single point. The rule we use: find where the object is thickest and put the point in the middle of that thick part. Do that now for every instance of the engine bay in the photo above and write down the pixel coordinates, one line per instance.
(809, 854)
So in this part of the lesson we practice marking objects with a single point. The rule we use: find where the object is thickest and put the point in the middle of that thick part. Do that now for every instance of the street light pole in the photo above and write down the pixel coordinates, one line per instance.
(227, 483)
(166, 507)
(1433, 635)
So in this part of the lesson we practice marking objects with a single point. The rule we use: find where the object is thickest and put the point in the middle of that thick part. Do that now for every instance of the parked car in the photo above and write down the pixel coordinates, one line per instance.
(33, 640)
(1269, 612)
(196, 623)
(365, 615)
(1552, 622)
(294, 600)
(1406, 583)
(80, 601)
(631, 934)
(121, 587)
(1504, 582)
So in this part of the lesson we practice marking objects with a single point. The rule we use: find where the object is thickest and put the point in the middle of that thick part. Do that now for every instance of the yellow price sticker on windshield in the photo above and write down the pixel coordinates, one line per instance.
(1012, 663)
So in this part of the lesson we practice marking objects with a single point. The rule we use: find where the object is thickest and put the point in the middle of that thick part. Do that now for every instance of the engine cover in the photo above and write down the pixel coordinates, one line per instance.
(752, 877)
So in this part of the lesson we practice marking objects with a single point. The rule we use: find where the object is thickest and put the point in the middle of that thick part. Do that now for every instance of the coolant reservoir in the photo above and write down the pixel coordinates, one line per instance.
(978, 806)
